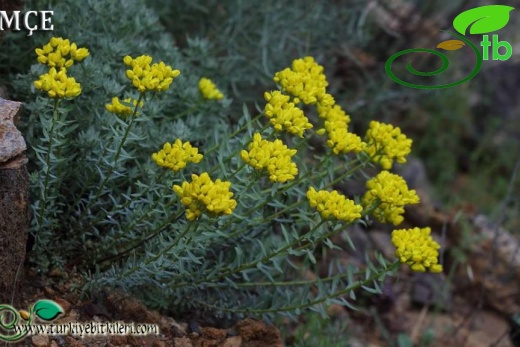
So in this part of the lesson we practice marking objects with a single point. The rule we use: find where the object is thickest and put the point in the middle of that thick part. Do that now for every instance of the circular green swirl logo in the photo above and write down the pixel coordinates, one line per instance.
(445, 64)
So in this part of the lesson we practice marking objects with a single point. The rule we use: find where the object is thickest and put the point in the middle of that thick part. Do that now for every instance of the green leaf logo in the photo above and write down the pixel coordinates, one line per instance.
(47, 309)
(483, 19)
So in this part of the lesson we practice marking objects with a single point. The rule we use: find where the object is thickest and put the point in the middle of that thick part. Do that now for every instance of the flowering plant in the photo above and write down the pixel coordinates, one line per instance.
(156, 195)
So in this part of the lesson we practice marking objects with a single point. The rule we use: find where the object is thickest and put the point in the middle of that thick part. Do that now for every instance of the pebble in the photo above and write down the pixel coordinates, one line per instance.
(40, 341)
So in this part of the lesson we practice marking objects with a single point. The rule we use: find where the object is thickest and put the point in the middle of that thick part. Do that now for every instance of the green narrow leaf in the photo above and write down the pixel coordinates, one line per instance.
(47, 309)
(483, 19)
(247, 117)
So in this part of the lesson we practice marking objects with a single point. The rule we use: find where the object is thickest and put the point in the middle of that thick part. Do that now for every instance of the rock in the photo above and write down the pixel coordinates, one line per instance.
(14, 224)
(235, 341)
(429, 289)
(72, 342)
(176, 330)
(382, 240)
(124, 307)
(59, 341)
(118, 340)
(65, 305)
(446, 327)
(12, 143)
(71, 316)
(193, 327)
(98, 341)
(488, 329)
(346, 255)
(259, 334)
(49, 292)
(213, 333)
(478, 329)
(506, 245)
(40, 341)
(182, 342)
(494, 263)
(415, 174)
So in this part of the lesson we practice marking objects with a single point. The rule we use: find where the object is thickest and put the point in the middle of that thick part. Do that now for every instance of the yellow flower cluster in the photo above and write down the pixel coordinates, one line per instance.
(305, 80)
(58, 84)
(340, 140)
(121, 109)
(204, 195)
(146, 77)
(334, 205)
(275, 157)
(284, 114)
(60, 53)
(417, 248)
(177, 156)
(208, 90)
(390, 194)
(386, 143)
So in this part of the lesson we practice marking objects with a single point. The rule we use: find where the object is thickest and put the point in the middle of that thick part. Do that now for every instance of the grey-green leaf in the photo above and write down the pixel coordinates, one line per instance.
(483, 19)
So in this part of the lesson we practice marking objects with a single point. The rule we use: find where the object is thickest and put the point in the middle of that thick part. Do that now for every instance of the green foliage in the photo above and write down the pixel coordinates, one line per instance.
(254, 39)
(317, 331)
(101, 205)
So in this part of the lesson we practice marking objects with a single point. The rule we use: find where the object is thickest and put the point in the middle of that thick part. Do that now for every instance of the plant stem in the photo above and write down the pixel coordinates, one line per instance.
(116, 158)
(353, 286)
(103, 215)
(174, 243)
(162, 227)
(188, 111)
(251, 264)
(233, 134)
(48, 165)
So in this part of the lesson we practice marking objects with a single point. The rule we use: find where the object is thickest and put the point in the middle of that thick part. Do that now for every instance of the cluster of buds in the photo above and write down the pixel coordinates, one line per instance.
(59, 54)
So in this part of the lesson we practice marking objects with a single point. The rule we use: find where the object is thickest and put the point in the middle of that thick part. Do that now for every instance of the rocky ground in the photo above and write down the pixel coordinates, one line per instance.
(119, 307)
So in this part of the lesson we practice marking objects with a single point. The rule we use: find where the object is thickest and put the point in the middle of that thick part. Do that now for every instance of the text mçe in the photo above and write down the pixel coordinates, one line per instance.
(13, 21)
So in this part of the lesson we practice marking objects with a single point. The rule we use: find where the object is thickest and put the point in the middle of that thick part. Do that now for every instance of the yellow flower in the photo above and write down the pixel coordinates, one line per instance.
(124, 110)
(203, 195)
(336, 127)
(334, 205)
(417, 248)
(326, 101)
(386, 143)
(146, 77)
(177, 156)
(58, 84)
(306, 80)
(284, 114)
(275, 157)
(60, 53)
(390, 193)
(208, 90)
(78, 54)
